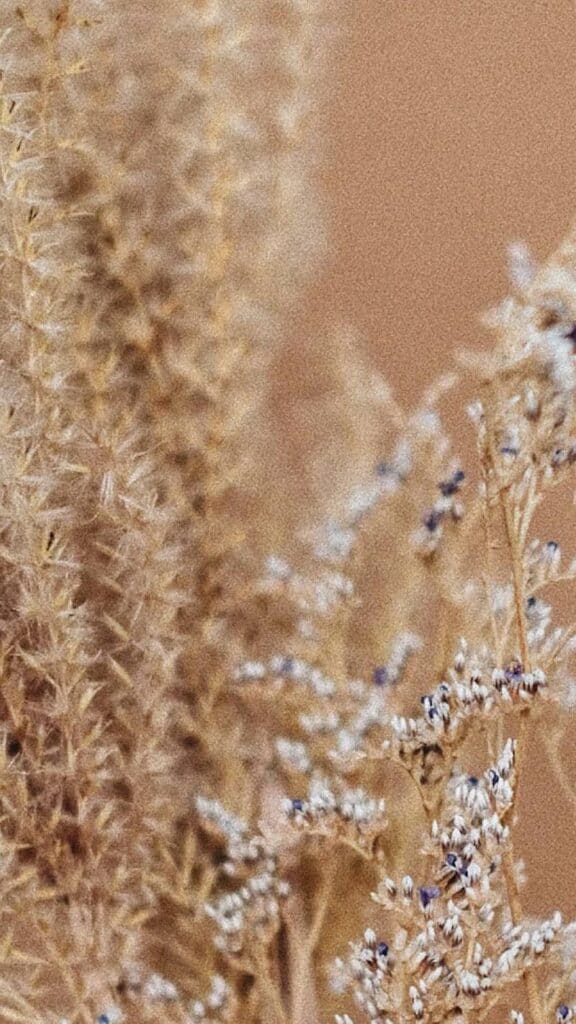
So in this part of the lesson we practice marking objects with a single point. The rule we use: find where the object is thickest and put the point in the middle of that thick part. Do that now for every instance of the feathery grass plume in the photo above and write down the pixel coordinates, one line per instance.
(194, 218)
(195, 189)
(85, 789)
(54, 773)
(193, 193)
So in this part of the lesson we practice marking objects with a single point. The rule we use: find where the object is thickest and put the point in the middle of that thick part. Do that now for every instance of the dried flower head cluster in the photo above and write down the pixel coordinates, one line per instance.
(217, 770)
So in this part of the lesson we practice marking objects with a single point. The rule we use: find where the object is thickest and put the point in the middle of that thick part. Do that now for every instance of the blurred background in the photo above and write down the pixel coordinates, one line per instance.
(447, 131)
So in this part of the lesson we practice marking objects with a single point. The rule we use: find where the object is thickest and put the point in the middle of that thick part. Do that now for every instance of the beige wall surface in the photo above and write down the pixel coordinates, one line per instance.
(450, 130)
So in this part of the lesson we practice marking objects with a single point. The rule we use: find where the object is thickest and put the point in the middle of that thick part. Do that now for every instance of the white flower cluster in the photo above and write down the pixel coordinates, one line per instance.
(333, 732)
(361, 706)
(251, 912)
(366, 971)
(241, 846)
(539, 320)
(215, 1006)
(543, 560)
(334, 540)
(351, 814)
(282, 669)
(311, 595)
(159, 989)
(252, 909)
(320, 723)
(370, 714)
(452, 942)
(475, 795)
(448, 711)
(534, 422)
(524, 944)
(293, 755)
(543, 566)
(447, 507)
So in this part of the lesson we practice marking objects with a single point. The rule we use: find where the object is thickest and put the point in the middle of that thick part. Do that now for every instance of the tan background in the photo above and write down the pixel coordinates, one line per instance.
(450, 130)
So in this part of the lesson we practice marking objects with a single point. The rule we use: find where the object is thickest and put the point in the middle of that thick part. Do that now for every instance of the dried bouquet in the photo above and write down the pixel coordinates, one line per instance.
(246, 778)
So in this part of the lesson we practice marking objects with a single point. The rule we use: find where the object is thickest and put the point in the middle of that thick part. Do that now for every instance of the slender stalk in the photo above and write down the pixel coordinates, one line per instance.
(271, 1006)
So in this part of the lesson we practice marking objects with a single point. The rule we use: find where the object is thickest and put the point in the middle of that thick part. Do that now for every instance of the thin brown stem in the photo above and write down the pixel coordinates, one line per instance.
(515, 541)
(272, 1008)
(516, 556)
(322, 904)
(530, 981)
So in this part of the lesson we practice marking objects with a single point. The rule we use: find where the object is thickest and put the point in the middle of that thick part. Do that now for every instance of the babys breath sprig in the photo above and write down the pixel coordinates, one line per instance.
(454, 935)
(351, 816)
(453, 946)
(249, 913)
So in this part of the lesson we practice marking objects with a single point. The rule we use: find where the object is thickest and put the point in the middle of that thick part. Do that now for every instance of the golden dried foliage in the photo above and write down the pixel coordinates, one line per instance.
(208, 757)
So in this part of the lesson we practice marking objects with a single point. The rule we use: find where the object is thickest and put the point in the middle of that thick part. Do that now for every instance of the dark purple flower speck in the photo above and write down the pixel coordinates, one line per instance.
(432, 520)
(428, 893)
(514, 671)
(451, 486)
(380, 675)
